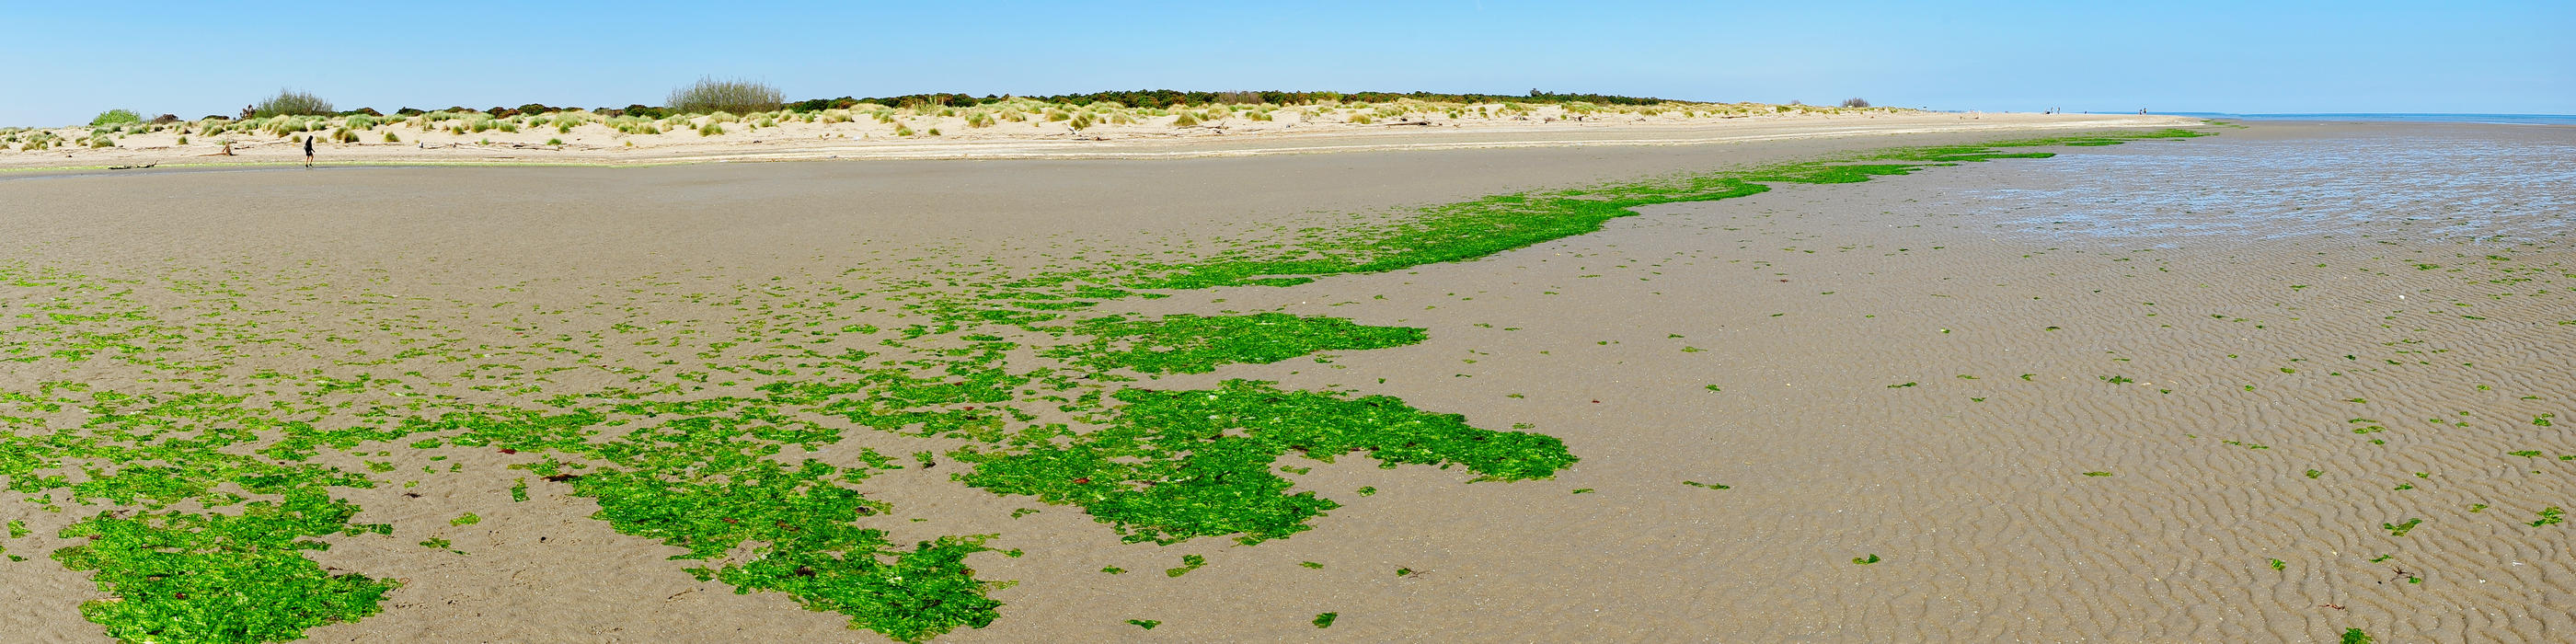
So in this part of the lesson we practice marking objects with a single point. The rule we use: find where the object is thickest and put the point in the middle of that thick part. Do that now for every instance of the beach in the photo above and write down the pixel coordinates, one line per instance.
(1282, 130)
(2272, 382)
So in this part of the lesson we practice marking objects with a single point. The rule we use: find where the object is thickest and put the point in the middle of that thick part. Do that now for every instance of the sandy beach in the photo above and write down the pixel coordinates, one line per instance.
(1319, 130)
(2269, 384)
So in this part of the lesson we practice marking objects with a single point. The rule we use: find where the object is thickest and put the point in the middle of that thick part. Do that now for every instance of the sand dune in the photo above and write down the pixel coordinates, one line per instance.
(595, 144)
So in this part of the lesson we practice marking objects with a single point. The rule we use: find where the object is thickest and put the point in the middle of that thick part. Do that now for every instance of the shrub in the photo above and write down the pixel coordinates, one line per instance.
(554, 141)
(1855, 102)
(934, 131)
(165, 119)
(291, 102)
(536, 108)
(113, 117)
(390, 138)
(710, 94)
(183, 139)
(712, 128)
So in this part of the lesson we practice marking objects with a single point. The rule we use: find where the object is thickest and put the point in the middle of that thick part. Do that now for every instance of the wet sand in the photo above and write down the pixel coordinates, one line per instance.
(1921, 368)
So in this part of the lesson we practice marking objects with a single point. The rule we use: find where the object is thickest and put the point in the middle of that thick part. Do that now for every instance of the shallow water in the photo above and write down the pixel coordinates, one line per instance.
(2417, 183)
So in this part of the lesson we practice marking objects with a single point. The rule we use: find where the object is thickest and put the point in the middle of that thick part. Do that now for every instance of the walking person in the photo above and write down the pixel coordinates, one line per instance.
(308, 152)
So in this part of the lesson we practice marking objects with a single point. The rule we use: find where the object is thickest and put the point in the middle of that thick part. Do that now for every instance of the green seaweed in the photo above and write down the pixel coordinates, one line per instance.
(227, 402)
(212, 577)
(1183, 464)
(1198, 344)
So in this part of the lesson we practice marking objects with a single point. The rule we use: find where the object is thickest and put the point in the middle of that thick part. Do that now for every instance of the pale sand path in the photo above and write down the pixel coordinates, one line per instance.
(1988, 527)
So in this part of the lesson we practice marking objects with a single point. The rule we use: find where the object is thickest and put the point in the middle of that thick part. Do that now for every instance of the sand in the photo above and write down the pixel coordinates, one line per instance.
(1922, 369)
(596, 144)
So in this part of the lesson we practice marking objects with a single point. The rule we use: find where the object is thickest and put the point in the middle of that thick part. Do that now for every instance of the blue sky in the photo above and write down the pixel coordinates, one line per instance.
(67, 61)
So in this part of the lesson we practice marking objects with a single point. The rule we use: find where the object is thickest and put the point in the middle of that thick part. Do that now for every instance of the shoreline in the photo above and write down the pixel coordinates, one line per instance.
(661, 150)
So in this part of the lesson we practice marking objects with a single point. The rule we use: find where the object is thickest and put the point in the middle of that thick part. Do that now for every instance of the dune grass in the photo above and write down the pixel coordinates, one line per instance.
(711, 94)
(114, 117)
(289, 102)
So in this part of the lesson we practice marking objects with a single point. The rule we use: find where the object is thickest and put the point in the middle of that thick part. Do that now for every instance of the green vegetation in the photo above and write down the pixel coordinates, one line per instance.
(711, 94)
(115, 117)
(1188, 563)
(1494, 224)
(2400, 529)
(1325, 620)
(213, 577)
(200, 470)
(289, 102)
(1168, 470)
(1198, 344)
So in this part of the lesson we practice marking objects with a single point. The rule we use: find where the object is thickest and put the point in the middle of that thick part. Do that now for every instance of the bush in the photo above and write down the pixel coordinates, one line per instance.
(291, 102)
(710, 94)
(1855, 102)
(112, 117)
(390, 138)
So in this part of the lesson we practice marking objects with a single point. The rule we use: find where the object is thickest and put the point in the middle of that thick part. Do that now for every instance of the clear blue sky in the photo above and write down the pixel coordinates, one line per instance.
(66, 61)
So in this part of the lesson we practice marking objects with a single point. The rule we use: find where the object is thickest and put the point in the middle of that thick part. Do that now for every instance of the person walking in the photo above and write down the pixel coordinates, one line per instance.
(308, 152)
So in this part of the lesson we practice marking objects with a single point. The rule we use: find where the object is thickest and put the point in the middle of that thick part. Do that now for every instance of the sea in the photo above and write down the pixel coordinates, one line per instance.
(2505, 119)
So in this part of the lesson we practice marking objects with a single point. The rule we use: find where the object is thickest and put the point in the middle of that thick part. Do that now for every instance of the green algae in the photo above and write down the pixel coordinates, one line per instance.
(1191, 463)
(1481, 227)
(241, 402)
(1199, 344)
(214, 578)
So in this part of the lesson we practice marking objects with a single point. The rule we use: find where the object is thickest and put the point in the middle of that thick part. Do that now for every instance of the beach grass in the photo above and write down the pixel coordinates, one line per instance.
(711, 94)
(289, 102)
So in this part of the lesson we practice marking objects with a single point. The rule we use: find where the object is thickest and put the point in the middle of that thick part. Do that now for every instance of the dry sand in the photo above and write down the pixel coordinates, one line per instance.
(1917, 368)
(595, 144)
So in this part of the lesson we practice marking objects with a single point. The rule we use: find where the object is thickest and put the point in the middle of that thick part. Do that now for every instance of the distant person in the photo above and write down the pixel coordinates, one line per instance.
(308, 152)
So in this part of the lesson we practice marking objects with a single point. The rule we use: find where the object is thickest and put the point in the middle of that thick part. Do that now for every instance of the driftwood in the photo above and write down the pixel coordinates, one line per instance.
(133, 167)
